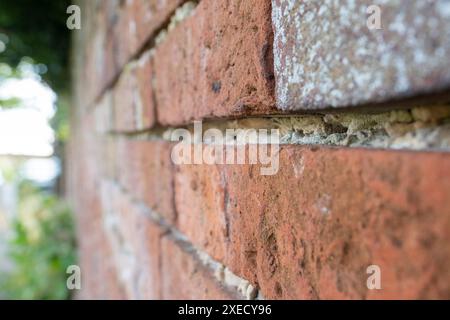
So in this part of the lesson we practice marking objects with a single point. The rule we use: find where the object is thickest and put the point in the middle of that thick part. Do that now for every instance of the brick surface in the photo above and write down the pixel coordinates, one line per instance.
(137, 21)
(124, 102)
(146, 172)
(99, 277)
(184, 277)
(150, 16)
(326, 56)
(145, 110)
(311, 230)
(216, 63)
(201, 205)
(136, 242)
(151, 265)
(148, 250)
(308, 232)
(113, 32)
(133, 98)
(98, 270)
(98, 44)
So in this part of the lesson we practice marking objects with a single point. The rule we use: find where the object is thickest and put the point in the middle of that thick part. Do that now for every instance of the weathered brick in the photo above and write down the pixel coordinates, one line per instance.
(201, 205)
(113, 33)
(106, 278)
(103, 114)
(98, 270)
(136, 242)
(93, 57)
(311, 230)
(148, 251)
(137, 22)
(133, 98)
(216, 63)
(124, 35)
(150, 16)
(151, 265)
(326, 56)
(124, 102)
(184, 277)
(145, 107)
(99, 276)
(146, 172)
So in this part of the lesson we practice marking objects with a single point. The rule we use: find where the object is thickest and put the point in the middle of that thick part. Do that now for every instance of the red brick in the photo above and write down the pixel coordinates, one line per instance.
(161, 268)
(103, 114)
(146, 109)
(327, 57)
(124, 35)
(124, 102)
(99, 278)
(311, 230)
(140, 238)
(151, 15)
(94, 63)
(146, 172)
(107, 277)
(216, 63)
(133, 98)
(138, 21)
(200, 204)
(98, 273)
(113, 33)
(110, 70)
(184, 277)
(149, 256)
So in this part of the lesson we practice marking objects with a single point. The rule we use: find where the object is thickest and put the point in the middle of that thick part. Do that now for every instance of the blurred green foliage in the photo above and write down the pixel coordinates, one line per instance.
(41, 248)
(9, 103)
(42, 245)
(7, 72)
(36, 32)
(37, 29)
(60, 121)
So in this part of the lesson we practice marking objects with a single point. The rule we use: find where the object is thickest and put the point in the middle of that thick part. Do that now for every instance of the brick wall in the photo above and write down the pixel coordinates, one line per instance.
(364, 165)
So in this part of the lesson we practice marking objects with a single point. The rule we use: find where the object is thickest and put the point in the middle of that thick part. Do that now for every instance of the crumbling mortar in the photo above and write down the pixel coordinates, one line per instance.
(418, 128)
(182, 13)
(413, 129)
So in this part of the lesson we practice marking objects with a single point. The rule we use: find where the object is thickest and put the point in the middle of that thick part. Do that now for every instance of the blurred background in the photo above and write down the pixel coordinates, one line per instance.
(37, 241)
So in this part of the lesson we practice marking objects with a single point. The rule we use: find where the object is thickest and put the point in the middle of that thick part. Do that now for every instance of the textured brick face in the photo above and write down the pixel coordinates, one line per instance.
(216, 63)
(150, 229)
(312, 230)
(133, 98)
(201, 205)
(113, 33)
(135, 240)
(147, 173)
(326, 56)
(136, 22)
(185, 278)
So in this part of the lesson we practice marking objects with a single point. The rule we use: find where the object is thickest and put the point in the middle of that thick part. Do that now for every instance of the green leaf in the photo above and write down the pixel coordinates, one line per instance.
(10, 103)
